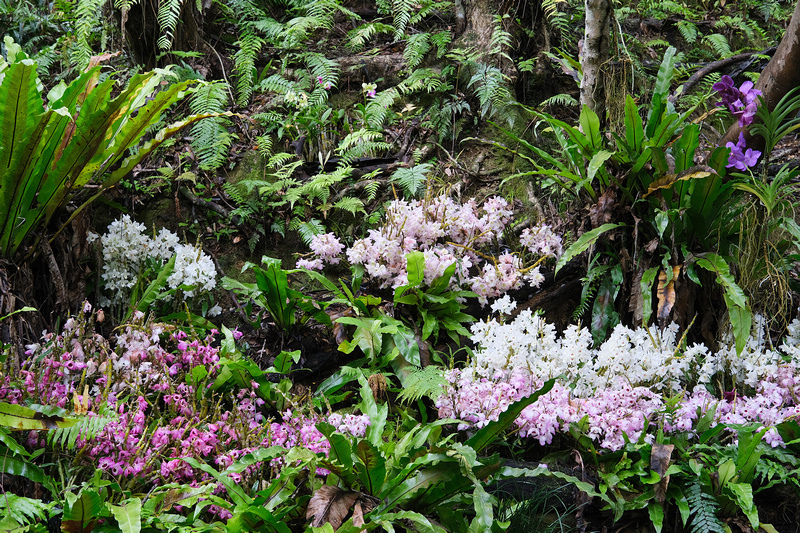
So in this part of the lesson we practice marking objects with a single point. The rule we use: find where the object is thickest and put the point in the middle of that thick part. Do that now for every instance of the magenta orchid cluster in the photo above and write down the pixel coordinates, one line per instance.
(157, 410)
(447, 232)
(743, 104)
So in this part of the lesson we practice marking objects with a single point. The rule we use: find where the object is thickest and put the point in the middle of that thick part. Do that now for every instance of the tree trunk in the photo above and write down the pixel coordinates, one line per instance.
(781, 75)
(595, 55)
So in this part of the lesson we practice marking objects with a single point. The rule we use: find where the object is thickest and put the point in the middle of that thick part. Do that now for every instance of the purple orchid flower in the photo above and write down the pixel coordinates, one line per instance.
(742, 102)
(741, 158)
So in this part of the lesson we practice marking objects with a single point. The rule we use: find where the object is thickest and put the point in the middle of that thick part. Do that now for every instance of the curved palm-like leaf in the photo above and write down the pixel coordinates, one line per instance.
(47, 154)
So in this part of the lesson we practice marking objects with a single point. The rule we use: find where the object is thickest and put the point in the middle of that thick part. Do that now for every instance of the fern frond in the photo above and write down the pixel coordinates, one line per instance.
(441, 40)
(688, 31)
(169, 11)
(421, 382)
(24, 511)
(402, 10)
(560, 100)
(361, 143)
(87, 13)
(492, 89)
(412, 179)
(718, 43)
(211, 137)
(703, 508)
(358, 38)
(87, 428)
(501, 40)
(245, 64)
(371, 190)
(417, 47)
(350, 204)
(307, 229)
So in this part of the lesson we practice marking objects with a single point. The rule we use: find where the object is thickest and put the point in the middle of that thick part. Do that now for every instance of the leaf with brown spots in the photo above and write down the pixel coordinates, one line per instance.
(666, 182)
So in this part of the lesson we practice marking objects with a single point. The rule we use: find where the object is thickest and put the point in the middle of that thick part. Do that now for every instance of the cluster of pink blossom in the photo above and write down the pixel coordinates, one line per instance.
(153, 391)
(326, 247)
(613, 414)
(447, 232)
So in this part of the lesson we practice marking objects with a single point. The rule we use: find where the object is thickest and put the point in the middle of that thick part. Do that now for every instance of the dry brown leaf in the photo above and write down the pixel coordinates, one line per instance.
(600, 213)
(659, 462)
(96, 60)
(378, 386)
(666, 293)
(330, 504)
(81, 405)
(358, 514)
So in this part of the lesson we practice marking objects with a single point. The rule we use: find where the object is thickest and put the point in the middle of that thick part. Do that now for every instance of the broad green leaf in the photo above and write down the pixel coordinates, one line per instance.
(634, 130)
(415, 262)
(743, 493)
(716, 264)
(155, 288)
(584, 242)
(24, 418)
(741, 321)
(597, 162)
(371, 467)
(647, 293)
(81, 511)
(590, 125)
(661, 91)
(128, 515)
(656, 512)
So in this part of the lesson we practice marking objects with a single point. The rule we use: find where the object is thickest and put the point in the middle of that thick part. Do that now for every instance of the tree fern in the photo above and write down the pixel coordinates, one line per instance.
(428, 381)
(412, 180)
(703, 508)
(211, 137)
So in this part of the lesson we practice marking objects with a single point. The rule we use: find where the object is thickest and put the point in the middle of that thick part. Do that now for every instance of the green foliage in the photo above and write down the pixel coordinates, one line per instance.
(211, 139)
(437, 307)
(82, 136)
(288, 308)
(423, 382)
(87, 13)
(412, 179)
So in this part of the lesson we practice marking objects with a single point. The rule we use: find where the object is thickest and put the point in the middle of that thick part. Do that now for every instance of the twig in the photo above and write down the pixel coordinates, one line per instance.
(196, 200)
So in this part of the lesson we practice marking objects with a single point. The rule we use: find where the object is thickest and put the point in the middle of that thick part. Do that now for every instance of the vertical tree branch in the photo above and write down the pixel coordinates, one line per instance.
(595, 54)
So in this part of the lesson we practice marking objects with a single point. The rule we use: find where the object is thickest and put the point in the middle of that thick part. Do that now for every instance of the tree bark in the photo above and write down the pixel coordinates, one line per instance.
(595, 55)
(781, 75)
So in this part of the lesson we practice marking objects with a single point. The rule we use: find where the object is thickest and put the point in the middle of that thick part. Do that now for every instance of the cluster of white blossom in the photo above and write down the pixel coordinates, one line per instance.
(127, 248)
(640, 357)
